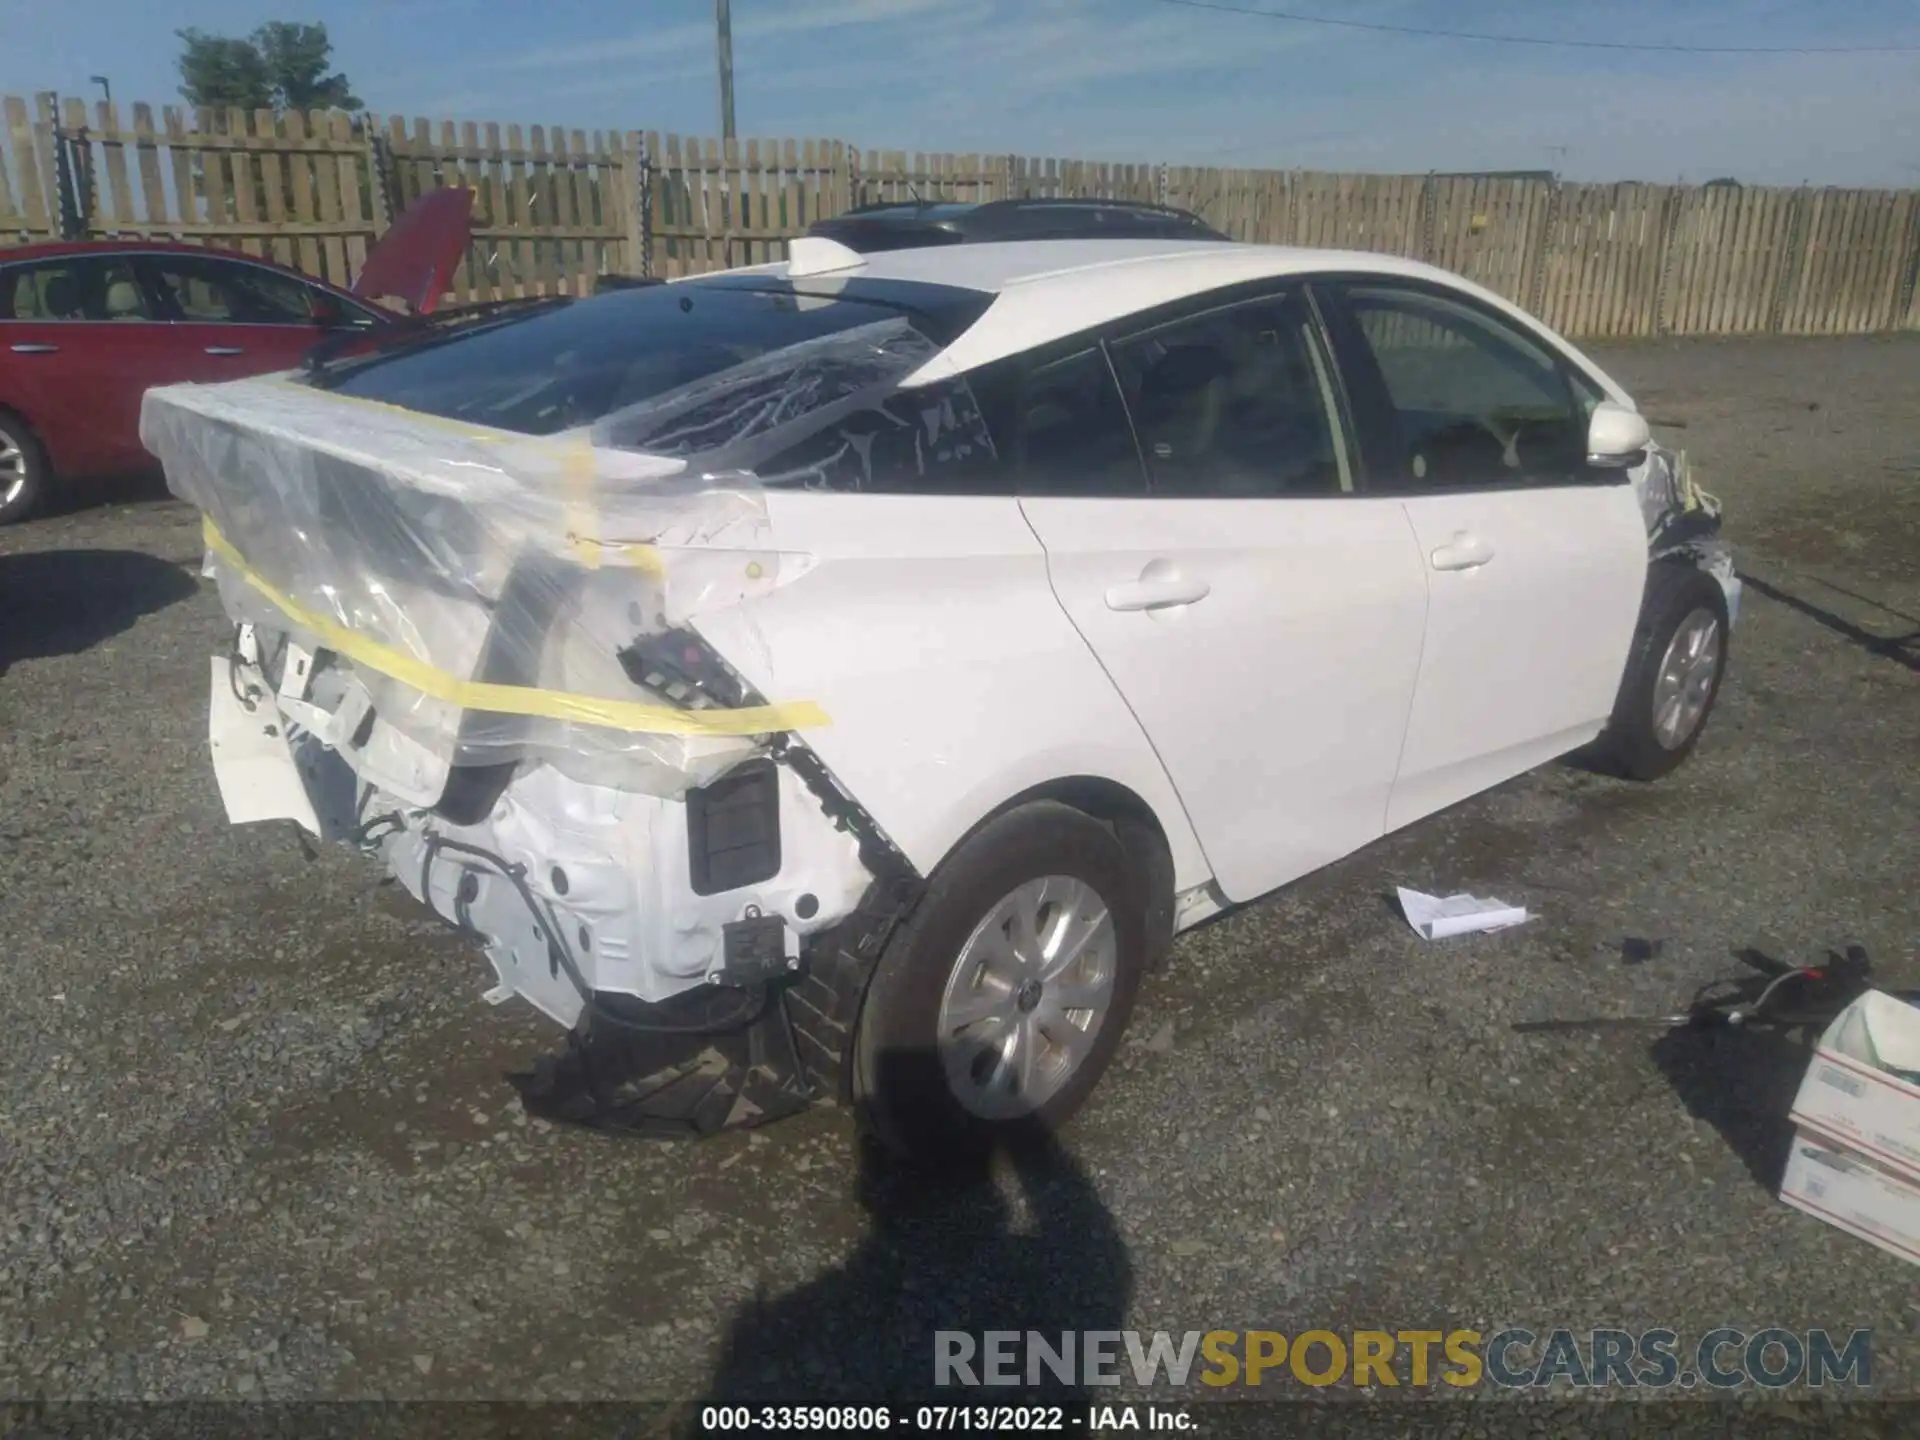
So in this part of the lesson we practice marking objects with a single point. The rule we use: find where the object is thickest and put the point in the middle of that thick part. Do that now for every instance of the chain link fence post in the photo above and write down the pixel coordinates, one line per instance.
(1429, 206)
(643, 177)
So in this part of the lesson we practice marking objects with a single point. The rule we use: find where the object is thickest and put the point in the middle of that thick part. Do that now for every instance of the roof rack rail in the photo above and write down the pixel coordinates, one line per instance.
(915, 203)
(916, 223)
(1088, 202)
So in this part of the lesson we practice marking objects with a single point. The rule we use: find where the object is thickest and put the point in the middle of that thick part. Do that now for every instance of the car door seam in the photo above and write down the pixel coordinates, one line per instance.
(1419, 662)
(1066, 611)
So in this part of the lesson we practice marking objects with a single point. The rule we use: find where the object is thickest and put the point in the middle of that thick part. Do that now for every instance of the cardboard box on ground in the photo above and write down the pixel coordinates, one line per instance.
(1855, 1161)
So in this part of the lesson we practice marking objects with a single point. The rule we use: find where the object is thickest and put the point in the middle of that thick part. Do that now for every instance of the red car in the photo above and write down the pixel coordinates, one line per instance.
(87, 327)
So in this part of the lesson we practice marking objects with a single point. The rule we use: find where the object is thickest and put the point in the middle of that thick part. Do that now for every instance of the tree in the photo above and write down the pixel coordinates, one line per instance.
(281, 66)
(218, 71)
(297, 57)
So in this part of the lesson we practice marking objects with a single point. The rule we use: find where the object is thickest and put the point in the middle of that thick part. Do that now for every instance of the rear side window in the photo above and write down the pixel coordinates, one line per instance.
(641, 361)
(1011, 428)
(1070, 434)
(929, 440)
(207, 289)
(76, 287)
(1235, 403)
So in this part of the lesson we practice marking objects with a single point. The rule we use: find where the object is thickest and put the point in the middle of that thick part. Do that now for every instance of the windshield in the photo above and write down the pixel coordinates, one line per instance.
(553, 370)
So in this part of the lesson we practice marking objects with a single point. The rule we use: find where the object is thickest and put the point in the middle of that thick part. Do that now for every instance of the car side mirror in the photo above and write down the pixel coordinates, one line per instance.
(1617, 438)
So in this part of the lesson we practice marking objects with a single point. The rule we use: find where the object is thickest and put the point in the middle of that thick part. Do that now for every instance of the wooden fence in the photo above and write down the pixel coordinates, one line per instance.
(556, 207)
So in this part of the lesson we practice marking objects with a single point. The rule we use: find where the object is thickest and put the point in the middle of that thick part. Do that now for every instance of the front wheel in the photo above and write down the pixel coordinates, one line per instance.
(997, 1007)
(1673, 672)
(23, 470)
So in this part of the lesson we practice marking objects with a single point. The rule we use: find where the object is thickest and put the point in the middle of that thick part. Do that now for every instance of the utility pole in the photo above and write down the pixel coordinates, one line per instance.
(723, 18)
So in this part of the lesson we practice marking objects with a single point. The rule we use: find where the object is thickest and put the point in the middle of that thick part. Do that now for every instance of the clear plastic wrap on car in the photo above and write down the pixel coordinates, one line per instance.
(504, 596)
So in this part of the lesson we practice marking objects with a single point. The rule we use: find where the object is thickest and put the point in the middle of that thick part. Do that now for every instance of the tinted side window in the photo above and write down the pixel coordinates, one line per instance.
(1477, 402)
(1070, 432)
(1057, 429)
(208, 290)
(1235, 402)
(79, 287)
(1588, 394)
(931, 439)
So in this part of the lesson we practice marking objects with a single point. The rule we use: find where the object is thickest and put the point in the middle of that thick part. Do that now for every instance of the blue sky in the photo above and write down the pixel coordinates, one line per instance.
(1101, 79)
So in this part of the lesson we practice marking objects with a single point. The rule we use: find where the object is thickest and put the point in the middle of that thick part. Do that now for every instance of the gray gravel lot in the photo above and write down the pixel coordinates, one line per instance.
(256, 1137)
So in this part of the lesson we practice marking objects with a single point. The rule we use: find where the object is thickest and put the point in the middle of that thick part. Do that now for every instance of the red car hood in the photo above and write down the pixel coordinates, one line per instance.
(415, 260)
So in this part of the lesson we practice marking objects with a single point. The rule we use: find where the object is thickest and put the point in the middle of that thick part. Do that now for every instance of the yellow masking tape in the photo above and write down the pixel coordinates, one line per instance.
(629, 555)
(630, 715)
(583, 515)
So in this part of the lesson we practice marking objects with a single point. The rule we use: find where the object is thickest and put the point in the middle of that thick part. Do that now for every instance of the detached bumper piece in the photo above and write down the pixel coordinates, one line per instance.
(714, 1059)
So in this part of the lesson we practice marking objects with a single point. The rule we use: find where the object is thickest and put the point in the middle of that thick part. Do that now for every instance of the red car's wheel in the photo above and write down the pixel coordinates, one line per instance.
(23, 470)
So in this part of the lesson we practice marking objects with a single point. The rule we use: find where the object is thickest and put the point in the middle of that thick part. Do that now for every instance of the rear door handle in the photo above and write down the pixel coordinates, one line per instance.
(225, 350)
(1145, 594)
(25, 349)
(1465, 551)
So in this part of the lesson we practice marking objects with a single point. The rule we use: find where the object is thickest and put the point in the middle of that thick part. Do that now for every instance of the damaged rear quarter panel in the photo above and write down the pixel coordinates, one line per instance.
(929, 633)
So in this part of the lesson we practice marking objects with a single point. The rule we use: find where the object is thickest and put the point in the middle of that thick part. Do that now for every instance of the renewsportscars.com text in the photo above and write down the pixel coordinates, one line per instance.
(1513, 1358)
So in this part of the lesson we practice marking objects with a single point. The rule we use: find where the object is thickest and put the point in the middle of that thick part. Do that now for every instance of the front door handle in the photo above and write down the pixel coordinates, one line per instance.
(24, 349)
(1465, 551)
(225, 350)
(1151, 592)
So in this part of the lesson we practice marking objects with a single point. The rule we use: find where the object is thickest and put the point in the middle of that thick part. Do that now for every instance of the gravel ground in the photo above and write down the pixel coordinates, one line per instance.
(257, 1138)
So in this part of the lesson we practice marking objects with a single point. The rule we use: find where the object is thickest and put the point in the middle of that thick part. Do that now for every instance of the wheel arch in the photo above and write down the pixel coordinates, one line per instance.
(1138, 827)
(11, 411)
(825, 1008)
(40, 464)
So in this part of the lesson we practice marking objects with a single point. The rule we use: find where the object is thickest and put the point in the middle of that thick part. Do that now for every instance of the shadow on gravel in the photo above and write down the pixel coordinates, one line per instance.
(1741, 1082)
(1901, 649)
(947, 1251)
(142, 485)
(61, 602)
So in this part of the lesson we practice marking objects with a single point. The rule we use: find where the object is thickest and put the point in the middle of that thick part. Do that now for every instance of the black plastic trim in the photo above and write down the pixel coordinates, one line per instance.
(733, 829)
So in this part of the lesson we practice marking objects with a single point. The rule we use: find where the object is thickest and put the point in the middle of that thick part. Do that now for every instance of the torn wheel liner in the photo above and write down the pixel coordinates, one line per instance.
(670, 1084)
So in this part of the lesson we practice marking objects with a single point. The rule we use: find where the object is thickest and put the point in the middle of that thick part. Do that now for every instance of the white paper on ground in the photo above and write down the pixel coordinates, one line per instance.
(1433, 918)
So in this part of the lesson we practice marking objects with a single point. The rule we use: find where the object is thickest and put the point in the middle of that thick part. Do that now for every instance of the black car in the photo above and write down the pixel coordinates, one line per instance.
(893, 225)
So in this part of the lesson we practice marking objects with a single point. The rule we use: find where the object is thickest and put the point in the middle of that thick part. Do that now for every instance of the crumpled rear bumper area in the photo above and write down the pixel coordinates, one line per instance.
(476, 656)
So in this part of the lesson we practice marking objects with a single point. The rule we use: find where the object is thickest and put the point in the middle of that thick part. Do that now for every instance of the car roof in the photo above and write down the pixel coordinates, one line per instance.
(413, 261)
(44, 249)
(52, 249)
(1046, 290)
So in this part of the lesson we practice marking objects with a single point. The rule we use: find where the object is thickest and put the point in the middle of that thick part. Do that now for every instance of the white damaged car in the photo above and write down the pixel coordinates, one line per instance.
(842, 678)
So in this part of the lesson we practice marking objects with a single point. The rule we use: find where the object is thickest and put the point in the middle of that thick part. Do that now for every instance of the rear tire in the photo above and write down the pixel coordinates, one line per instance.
(1025, 891)
(23, 470)
(1673, 673)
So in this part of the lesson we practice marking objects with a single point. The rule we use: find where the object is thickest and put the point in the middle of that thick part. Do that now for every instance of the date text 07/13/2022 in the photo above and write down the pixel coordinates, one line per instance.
(939, 1419)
